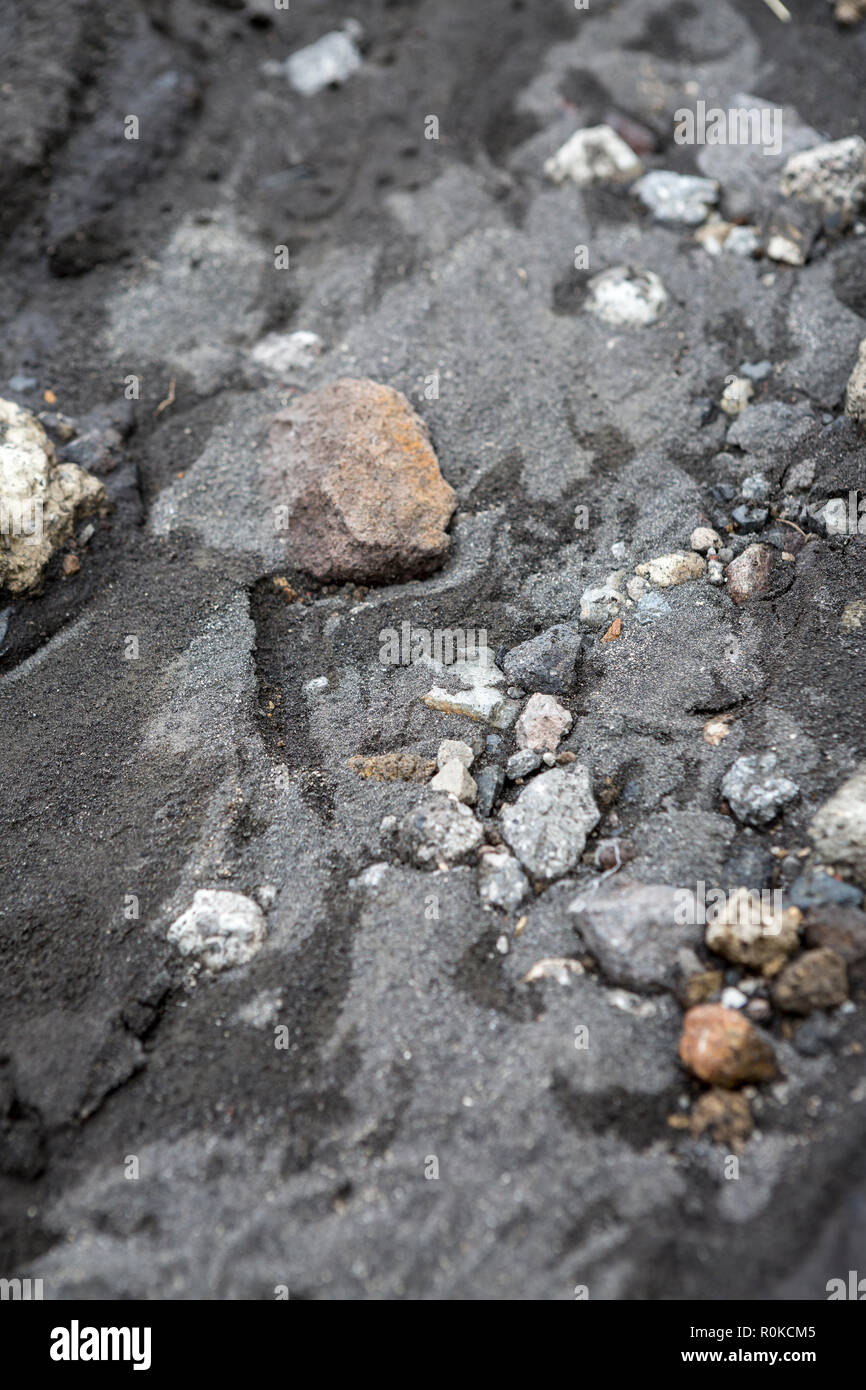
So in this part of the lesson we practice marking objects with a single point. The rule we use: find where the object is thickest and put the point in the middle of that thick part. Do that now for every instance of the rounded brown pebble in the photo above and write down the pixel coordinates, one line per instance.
(815, 980)
(722, 1047)
(71, 564)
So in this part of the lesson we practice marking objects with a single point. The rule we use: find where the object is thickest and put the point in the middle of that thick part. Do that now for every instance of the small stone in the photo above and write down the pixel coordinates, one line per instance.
(736, 395)
(755, 488)
(750, 931)
(501, 881)
(676, 568)
(800, 476)
(833, 175)
(651, 607)
(562, 969)
(41, 499)
(715, 730)
(634, 932)
(626, 297)
(853, 615)
(756, 371)
(636, 587)
(548, 824)
(451, 748)
(733, 998)
(439, 832)
(674, 197)
(614, 631)
(600, 605)
(699, 987)
(742, 241)
(542, 724)
(317, 686)
(221, 929)
(282, 353)
(750, 518)
(833, 516)
(723, 1048)
(522, 764)
(352, 466)
(855, 393)
(715, 572)
(748, 575)
(816, 980)
(704, 538)
(754, 794)
(454, 779)
(819, 889)
(838, 831)
(725, 1115)
(483, 704)
(758, 1010)
(71, 564)
(593, 155)
(327, 62)
(841, 929)
(791, 231)
(546, 663)
(392, 767)
(489, 782)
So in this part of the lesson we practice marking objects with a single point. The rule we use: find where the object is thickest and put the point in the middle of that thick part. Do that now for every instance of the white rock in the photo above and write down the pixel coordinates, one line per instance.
(594, 155)
(704, 538)
(562, 969)
(281, 353)
(736, 395)
(834, 515)
(483, 704)
(733, 998)
(331, 59)
(677, 568)
(40, 500)
(221, 929)
(674, 197)
(838, 831)
(454, 779)
(451, 748)
(636, 587)
(626, 298)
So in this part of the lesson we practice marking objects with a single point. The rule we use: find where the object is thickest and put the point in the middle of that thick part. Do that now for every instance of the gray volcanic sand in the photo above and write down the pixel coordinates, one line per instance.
(205, 763)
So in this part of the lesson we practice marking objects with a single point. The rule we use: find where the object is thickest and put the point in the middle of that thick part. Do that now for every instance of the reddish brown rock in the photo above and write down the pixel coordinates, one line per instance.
(815, 980)
(353, 465)
(722, 1047)
(748, 575)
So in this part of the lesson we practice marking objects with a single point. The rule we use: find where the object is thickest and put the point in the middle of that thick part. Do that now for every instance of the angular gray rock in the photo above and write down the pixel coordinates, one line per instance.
(548, 824)
(632, 930)
(755, 795)
(501, 881)
(436, 832)
(546, 663)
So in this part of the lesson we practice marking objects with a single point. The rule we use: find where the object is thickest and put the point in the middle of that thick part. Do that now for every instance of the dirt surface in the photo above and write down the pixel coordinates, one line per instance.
(199, 756)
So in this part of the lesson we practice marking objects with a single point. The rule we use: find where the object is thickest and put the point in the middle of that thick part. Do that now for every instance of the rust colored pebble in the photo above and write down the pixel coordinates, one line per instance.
(354, 469)
(723, 1048)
